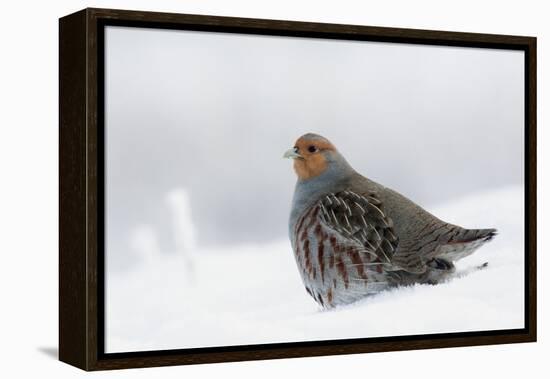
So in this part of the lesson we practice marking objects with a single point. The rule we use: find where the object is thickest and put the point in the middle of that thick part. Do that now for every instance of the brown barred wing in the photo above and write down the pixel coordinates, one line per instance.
(359, 218)
(438, 239)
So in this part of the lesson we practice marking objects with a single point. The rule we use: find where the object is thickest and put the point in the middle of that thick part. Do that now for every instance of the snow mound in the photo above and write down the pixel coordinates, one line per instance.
(253, 294)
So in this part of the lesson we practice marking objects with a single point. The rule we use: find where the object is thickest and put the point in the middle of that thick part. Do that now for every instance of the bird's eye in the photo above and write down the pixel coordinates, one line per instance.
(312, 149)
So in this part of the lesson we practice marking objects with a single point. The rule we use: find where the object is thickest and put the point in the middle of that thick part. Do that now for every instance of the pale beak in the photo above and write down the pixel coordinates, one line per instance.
(292, 153)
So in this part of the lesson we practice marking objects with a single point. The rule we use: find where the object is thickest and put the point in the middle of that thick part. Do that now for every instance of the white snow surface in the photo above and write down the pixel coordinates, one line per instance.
(253, 294)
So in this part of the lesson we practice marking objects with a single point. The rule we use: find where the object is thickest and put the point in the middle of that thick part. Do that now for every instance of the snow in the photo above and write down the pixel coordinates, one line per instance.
(253, 294)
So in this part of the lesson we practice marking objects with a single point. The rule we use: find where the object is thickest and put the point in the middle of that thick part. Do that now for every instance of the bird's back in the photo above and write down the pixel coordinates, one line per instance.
(422, 236)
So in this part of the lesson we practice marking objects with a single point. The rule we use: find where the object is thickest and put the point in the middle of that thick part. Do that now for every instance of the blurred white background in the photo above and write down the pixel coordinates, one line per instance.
(28, 160)
(198, 196)
(212, 113)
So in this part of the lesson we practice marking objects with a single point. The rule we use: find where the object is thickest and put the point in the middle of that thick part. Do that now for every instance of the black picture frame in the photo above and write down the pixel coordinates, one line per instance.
(81, 182)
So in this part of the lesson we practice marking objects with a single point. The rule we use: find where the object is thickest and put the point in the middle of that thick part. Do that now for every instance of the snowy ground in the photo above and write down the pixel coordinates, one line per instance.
(254, 295)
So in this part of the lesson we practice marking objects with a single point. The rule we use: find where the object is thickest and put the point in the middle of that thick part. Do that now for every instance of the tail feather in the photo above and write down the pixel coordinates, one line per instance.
(489, 234)
(466, 243)
(472, 235)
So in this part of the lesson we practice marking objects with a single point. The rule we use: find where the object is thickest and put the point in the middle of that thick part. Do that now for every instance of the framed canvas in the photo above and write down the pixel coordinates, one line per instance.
(404, 218)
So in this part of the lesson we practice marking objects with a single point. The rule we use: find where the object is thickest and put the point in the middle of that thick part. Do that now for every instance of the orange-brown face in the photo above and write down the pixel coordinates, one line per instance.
(309, 156)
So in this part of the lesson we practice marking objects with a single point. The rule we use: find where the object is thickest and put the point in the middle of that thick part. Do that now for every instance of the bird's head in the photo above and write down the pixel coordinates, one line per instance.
(313, 155)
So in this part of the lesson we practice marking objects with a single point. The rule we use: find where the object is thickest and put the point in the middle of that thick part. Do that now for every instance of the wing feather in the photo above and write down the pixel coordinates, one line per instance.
(360, 219)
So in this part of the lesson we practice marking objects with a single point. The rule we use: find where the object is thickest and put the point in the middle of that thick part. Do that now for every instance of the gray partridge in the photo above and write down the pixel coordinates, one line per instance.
(353, 237)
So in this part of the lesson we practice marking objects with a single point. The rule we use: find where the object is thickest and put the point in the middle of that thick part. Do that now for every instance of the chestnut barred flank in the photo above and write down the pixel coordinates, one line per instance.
(352, 239)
